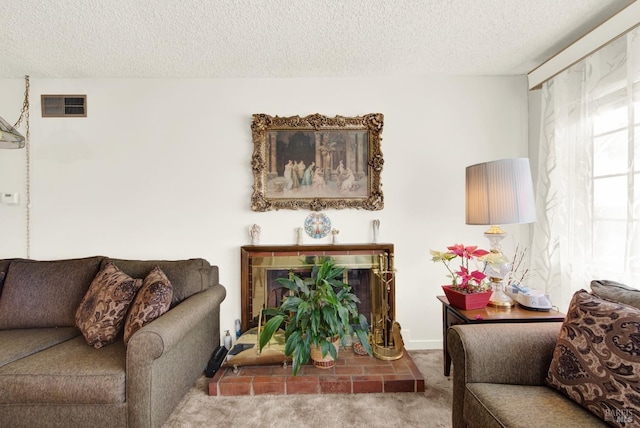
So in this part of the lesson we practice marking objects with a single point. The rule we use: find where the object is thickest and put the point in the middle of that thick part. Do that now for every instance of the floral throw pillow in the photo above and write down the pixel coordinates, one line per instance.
(153, 300)
(596, 361)
(102, 311)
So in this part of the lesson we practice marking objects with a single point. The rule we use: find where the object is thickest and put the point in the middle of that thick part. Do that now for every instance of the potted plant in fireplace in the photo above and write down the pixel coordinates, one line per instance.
(469, 288)
(319, 314)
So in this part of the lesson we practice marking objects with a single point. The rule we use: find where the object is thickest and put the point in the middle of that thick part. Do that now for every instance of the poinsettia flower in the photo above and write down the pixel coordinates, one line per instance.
(467, 252)
(467, 276)
(477, 275)
(441, 256)
(457, 249)
(463, 273)
(476, 252)
(464, 279)
(494, 259)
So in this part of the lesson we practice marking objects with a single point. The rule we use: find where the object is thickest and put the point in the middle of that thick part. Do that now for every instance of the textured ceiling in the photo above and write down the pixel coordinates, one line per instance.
(288, 38)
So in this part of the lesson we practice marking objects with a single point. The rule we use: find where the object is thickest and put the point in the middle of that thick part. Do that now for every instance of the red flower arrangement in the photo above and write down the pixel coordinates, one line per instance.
(465, 279)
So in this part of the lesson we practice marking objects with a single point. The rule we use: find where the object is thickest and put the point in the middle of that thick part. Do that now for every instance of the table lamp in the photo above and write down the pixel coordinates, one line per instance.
(499, 192)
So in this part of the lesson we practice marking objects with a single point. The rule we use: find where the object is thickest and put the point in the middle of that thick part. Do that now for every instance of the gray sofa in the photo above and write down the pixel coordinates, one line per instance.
(500, 371)
(50, 377)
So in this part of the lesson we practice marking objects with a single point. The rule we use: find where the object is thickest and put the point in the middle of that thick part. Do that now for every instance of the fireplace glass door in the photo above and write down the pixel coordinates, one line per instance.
(262, 265)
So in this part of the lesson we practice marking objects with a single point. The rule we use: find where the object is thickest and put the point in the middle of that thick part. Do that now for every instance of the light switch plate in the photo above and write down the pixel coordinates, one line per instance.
(10, 198)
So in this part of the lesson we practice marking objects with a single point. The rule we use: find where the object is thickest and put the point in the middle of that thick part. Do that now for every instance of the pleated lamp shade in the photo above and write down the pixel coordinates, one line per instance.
(500, 192)
(9, 137)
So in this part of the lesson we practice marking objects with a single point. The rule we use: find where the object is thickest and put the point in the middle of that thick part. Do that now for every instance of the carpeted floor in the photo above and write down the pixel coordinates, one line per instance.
(431, 408)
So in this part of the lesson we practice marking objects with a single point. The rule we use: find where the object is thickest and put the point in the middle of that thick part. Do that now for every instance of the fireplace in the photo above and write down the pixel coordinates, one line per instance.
(368, 270)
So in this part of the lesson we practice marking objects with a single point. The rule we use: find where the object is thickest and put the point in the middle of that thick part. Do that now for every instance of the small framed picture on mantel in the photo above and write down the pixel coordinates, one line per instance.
(317, 162)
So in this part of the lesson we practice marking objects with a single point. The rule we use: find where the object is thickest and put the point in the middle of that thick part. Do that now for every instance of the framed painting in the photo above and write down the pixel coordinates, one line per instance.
(317, 162)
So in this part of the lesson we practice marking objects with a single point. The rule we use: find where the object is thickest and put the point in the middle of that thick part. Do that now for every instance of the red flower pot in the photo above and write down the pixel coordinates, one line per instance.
(467, 301)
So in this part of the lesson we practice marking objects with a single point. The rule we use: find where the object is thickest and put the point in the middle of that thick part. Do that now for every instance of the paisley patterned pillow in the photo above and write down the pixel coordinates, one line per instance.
(596, 361)
(153, 300)
(102, 311)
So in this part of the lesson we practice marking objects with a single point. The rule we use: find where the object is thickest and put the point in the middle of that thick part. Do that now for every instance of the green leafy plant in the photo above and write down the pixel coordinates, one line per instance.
(318, 310)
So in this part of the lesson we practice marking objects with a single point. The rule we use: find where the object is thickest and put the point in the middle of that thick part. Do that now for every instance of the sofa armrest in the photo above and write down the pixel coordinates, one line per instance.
(166, 356)
(503, 353)
(499, 353)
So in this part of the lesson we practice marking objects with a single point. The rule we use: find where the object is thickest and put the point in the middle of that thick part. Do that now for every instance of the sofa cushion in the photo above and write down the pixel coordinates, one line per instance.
(187, 277)
(153, 299)
(68, 373)
(4, 265)
(504, 405)
(19, 343)
(45, 293)
(616, 292)
(596, 360)
(101, 314)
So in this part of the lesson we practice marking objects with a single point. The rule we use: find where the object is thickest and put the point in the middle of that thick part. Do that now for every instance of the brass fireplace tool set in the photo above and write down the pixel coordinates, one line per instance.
(386, 339)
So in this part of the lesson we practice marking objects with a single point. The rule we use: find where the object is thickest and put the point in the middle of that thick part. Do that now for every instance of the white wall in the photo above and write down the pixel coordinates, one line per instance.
(160, 169)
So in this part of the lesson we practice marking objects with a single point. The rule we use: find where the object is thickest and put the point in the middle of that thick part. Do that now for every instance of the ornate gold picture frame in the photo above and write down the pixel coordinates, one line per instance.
(317, 162)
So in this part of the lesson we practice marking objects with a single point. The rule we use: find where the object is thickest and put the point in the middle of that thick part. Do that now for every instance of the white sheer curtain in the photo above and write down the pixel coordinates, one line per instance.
(588, 188)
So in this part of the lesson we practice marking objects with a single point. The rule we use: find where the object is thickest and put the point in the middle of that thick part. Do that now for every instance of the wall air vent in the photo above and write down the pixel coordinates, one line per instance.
(64, 105)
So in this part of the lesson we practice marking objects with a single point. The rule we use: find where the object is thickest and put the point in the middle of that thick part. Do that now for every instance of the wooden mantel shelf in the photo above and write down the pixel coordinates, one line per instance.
(309, 248)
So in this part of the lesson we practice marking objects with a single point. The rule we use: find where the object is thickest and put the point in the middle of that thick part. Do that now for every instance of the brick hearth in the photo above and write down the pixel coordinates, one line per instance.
(352, 374)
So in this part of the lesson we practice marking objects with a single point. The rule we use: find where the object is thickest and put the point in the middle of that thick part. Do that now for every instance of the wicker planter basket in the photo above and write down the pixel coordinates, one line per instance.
(327, 361)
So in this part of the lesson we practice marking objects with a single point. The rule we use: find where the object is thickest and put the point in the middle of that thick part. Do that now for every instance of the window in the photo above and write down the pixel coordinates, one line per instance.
(588, 183)
(616, 169)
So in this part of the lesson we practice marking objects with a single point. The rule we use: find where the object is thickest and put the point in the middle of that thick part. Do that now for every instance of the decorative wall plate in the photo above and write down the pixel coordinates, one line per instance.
(317, 225)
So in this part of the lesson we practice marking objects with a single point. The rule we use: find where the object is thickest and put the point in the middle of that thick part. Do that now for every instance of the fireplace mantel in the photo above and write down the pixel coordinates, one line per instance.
(261, 264)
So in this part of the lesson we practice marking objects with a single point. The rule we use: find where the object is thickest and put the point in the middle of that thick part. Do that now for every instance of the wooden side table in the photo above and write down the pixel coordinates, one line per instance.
(454, 316)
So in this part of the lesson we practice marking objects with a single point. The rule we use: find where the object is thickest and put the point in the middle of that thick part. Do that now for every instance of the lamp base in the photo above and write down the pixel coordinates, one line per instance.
(499, 299)
(495, 234)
